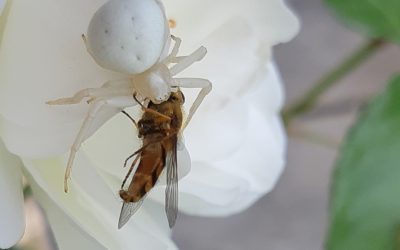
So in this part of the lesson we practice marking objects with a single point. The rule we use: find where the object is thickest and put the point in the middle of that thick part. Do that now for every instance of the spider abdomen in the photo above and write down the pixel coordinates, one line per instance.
(127, 36)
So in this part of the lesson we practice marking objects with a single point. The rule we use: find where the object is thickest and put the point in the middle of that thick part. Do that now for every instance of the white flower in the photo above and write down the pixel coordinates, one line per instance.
(236, 141)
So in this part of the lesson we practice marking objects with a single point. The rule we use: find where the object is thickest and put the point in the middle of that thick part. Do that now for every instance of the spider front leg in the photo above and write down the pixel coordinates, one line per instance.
(118, 102)
(114, 87)
(205, 86)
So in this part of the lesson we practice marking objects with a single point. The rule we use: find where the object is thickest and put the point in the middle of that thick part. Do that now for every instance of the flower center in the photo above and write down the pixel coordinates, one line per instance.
(171, 23)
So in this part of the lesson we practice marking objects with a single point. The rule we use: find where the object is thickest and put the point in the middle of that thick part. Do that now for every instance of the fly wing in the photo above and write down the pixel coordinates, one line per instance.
(171, 192)
(127, 210)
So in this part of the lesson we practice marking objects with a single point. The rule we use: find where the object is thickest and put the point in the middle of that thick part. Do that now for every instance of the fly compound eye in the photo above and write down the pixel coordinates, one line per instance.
(178, 96)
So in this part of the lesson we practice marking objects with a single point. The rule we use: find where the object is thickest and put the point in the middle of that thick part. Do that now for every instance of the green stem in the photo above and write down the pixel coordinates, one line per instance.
(27, 191)
(308, 100)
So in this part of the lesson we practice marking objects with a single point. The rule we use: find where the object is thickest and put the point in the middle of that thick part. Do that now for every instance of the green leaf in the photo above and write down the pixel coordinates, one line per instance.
(365, 198)
(374, 18)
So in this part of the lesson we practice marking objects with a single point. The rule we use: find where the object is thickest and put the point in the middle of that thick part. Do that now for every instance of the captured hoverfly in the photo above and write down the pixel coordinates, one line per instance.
(159, 129)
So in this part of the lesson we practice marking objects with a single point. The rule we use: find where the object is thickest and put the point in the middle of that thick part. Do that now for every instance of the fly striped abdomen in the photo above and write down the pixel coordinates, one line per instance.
(151, 165)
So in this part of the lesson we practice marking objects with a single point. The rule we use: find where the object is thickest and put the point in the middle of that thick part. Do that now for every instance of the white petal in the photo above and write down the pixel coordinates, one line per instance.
(233, 184)
(12, 217)
(230, 64)
(236, 68)
(261, 157)
(53, 139)
(268, 98)
(113, 143)
(94, 207)
(54, 35)
(215, 135)
(267, 93)
(67, 233)
(232, 68)
(218, 133)
(271, 20)
(207, 191)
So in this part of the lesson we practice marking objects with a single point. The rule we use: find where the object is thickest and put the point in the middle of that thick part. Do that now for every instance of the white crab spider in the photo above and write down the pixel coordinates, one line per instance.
(132, 37)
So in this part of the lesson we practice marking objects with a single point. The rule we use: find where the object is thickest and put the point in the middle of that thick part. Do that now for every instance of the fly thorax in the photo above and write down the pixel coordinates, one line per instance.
(154, 83)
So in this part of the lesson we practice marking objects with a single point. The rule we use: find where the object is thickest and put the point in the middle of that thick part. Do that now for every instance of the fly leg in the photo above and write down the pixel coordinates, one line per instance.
(135, 153)
(205, 86)
(145, 146)
(130, 169)
(130, 118)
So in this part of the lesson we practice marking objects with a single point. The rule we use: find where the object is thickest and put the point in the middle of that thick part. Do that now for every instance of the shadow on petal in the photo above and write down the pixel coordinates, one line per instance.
(92, 205)
(12, 216)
